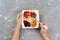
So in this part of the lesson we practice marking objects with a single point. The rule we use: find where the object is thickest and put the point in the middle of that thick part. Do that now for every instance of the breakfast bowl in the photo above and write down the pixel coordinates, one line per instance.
(30, 18)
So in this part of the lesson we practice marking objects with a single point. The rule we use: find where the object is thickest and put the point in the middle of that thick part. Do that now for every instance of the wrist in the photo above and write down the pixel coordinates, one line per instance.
(18, 25)
(45, 36)
(43, 33)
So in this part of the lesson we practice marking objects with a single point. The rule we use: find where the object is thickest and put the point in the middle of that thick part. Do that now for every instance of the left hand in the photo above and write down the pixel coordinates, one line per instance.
(19, 19)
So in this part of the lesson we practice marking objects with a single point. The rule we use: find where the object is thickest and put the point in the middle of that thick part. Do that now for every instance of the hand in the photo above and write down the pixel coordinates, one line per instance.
(43, 29)
(17, 28)
(19, 19)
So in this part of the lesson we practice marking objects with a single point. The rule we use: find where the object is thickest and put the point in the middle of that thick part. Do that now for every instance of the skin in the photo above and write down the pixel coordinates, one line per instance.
(43, 31)
(17, 30)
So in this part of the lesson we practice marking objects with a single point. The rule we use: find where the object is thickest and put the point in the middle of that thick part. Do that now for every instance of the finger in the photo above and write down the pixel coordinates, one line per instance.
(18, 16)
(44, 23)
(44, 27)
(41, 26)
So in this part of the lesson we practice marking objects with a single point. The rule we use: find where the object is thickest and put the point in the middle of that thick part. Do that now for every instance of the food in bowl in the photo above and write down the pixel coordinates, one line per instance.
(29, 19)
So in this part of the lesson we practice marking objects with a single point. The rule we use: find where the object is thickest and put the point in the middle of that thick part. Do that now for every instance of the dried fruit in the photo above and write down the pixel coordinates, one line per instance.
(33, 14)
(26, 14)
(33, 23)
(30, 19)
(26, 23)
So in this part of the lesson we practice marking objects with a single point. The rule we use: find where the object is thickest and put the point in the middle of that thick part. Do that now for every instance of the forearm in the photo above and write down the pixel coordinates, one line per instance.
(16, 33)
(45, 36)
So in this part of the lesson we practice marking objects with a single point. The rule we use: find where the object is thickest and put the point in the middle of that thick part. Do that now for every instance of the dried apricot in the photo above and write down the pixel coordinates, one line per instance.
(33, 23)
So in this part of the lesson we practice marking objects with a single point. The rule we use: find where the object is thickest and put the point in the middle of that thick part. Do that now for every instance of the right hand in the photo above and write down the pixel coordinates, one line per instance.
(43, 29)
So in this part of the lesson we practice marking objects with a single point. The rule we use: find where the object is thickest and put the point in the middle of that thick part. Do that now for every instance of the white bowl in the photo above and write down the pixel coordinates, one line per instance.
(37, 18)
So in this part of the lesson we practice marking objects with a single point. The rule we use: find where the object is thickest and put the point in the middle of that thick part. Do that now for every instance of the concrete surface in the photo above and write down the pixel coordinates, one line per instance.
(49, 12)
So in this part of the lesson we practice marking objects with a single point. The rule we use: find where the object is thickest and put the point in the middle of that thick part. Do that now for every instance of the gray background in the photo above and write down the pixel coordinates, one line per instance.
(49, 12)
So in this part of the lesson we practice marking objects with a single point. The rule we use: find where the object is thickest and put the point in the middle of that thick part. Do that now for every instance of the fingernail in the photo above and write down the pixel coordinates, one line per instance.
(45, 27)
